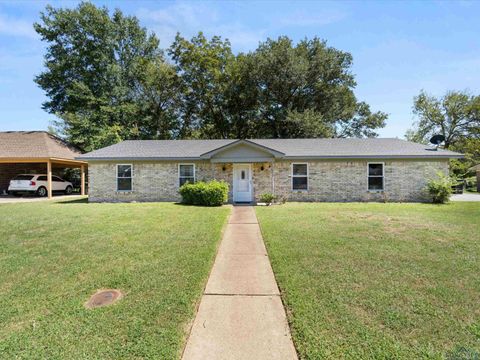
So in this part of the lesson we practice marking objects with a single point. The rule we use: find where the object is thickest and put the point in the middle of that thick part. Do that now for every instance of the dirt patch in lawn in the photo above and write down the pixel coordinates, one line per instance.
(103, 298)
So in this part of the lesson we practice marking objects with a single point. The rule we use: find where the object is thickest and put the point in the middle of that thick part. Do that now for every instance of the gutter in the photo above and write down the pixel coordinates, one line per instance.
(333, 157)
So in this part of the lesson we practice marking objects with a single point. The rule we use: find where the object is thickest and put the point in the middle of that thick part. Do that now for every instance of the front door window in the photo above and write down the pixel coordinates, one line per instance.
(243, 183)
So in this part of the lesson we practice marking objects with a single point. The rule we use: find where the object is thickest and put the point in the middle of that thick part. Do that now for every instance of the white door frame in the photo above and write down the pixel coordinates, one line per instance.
(244, 197)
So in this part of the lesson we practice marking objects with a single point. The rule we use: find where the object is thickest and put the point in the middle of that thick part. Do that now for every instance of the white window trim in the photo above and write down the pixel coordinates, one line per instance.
(293, 176)
(194, 172)
(382, 176)
(116, 177)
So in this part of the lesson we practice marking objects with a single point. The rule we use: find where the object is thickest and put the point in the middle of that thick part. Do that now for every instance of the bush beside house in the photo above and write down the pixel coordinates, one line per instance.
(267, 198)
(212, 193)
(440, 189)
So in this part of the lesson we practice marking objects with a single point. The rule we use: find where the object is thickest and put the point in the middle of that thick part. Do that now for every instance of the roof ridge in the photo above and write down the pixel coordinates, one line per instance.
(45, 140)
(24, 131)
(180, 140)
(255, 139)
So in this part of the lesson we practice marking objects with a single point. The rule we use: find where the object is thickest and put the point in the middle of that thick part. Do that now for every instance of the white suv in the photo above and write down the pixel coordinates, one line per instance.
(37, 184)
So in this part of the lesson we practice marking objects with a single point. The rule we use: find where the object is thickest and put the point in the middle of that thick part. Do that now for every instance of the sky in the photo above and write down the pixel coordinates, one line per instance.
(399, 47)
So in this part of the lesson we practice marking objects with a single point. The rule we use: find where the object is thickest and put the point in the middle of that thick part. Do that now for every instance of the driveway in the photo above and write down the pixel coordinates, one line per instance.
(24, 199)
(466, 197)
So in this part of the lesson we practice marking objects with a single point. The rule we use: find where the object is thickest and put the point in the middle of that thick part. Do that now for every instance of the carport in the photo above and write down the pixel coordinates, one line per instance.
(36, 152)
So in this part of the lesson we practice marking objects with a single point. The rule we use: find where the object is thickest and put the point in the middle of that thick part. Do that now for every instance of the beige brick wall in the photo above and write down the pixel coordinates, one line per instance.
(152, 181)
(405, 180)
(225, 175)
(262, 179)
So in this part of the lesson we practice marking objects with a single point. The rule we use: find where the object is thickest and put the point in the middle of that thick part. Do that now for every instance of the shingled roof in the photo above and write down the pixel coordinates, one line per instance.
(33, 145)
(290, 148)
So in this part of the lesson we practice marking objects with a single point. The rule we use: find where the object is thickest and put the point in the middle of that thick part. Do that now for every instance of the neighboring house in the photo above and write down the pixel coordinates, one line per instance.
(36, 152)
(296, 169)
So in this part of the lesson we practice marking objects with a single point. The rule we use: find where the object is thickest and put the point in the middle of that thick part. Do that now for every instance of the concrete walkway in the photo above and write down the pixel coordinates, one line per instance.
(466, 197)
(241, 315)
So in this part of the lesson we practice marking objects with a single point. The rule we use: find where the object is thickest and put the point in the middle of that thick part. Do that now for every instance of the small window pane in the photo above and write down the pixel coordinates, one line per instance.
(243, 175)
(184, 180)
(42, 178)
(124, 184)
(300, 183)
(375, 169)
(299, 169)
(375, 183)
(124, 171)
(186, 170)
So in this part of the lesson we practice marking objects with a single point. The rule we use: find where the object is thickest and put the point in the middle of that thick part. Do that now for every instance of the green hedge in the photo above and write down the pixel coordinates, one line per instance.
(212, 193)
(267, 198)
(440, 189)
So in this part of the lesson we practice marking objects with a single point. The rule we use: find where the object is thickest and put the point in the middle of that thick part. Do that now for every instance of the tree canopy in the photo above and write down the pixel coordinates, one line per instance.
(456, 116)
(107, 79)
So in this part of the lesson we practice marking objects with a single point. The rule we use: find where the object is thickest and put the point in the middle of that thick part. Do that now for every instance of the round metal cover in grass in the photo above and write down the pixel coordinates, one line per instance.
(103, 298)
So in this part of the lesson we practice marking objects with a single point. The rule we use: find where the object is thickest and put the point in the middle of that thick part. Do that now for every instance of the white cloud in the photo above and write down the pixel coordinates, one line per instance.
(190, 18)
(16, 27)
(303, 18)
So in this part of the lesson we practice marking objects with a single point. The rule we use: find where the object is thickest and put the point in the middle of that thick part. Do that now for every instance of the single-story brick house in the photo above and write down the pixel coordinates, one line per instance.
(296, 169)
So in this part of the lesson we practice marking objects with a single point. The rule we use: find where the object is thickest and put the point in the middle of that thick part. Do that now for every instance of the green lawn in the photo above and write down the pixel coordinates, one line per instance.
(54, 255)
(378, 281)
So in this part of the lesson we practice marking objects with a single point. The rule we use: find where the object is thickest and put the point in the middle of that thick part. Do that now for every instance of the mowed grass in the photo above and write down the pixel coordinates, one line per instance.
(378, 281)
(53, 256)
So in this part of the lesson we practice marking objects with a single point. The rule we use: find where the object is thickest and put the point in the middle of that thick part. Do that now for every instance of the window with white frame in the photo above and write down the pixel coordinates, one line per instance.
(299, 177)
(375, 177)
(186, 173)
(124, 177)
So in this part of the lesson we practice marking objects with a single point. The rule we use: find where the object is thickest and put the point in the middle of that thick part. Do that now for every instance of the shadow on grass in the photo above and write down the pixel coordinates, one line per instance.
(75, 201)
(190, 205)
(85, 201)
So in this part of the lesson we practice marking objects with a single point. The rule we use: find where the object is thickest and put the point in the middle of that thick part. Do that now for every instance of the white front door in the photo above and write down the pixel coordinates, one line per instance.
(242, 183)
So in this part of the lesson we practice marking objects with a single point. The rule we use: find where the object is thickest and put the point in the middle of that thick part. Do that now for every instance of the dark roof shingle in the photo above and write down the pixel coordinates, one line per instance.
(292, 148)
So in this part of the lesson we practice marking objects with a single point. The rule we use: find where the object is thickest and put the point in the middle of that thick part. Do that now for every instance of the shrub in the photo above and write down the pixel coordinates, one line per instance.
(212, 193)
(471, 183)
(267, 198)
(440, 189)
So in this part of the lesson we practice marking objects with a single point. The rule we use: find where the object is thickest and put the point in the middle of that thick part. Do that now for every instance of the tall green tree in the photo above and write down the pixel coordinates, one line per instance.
(107, 80)
(93, 63)
(160, 90)
(202, 65)
(242, 99)
(456, 116)
(309, 81)
(278, 90)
